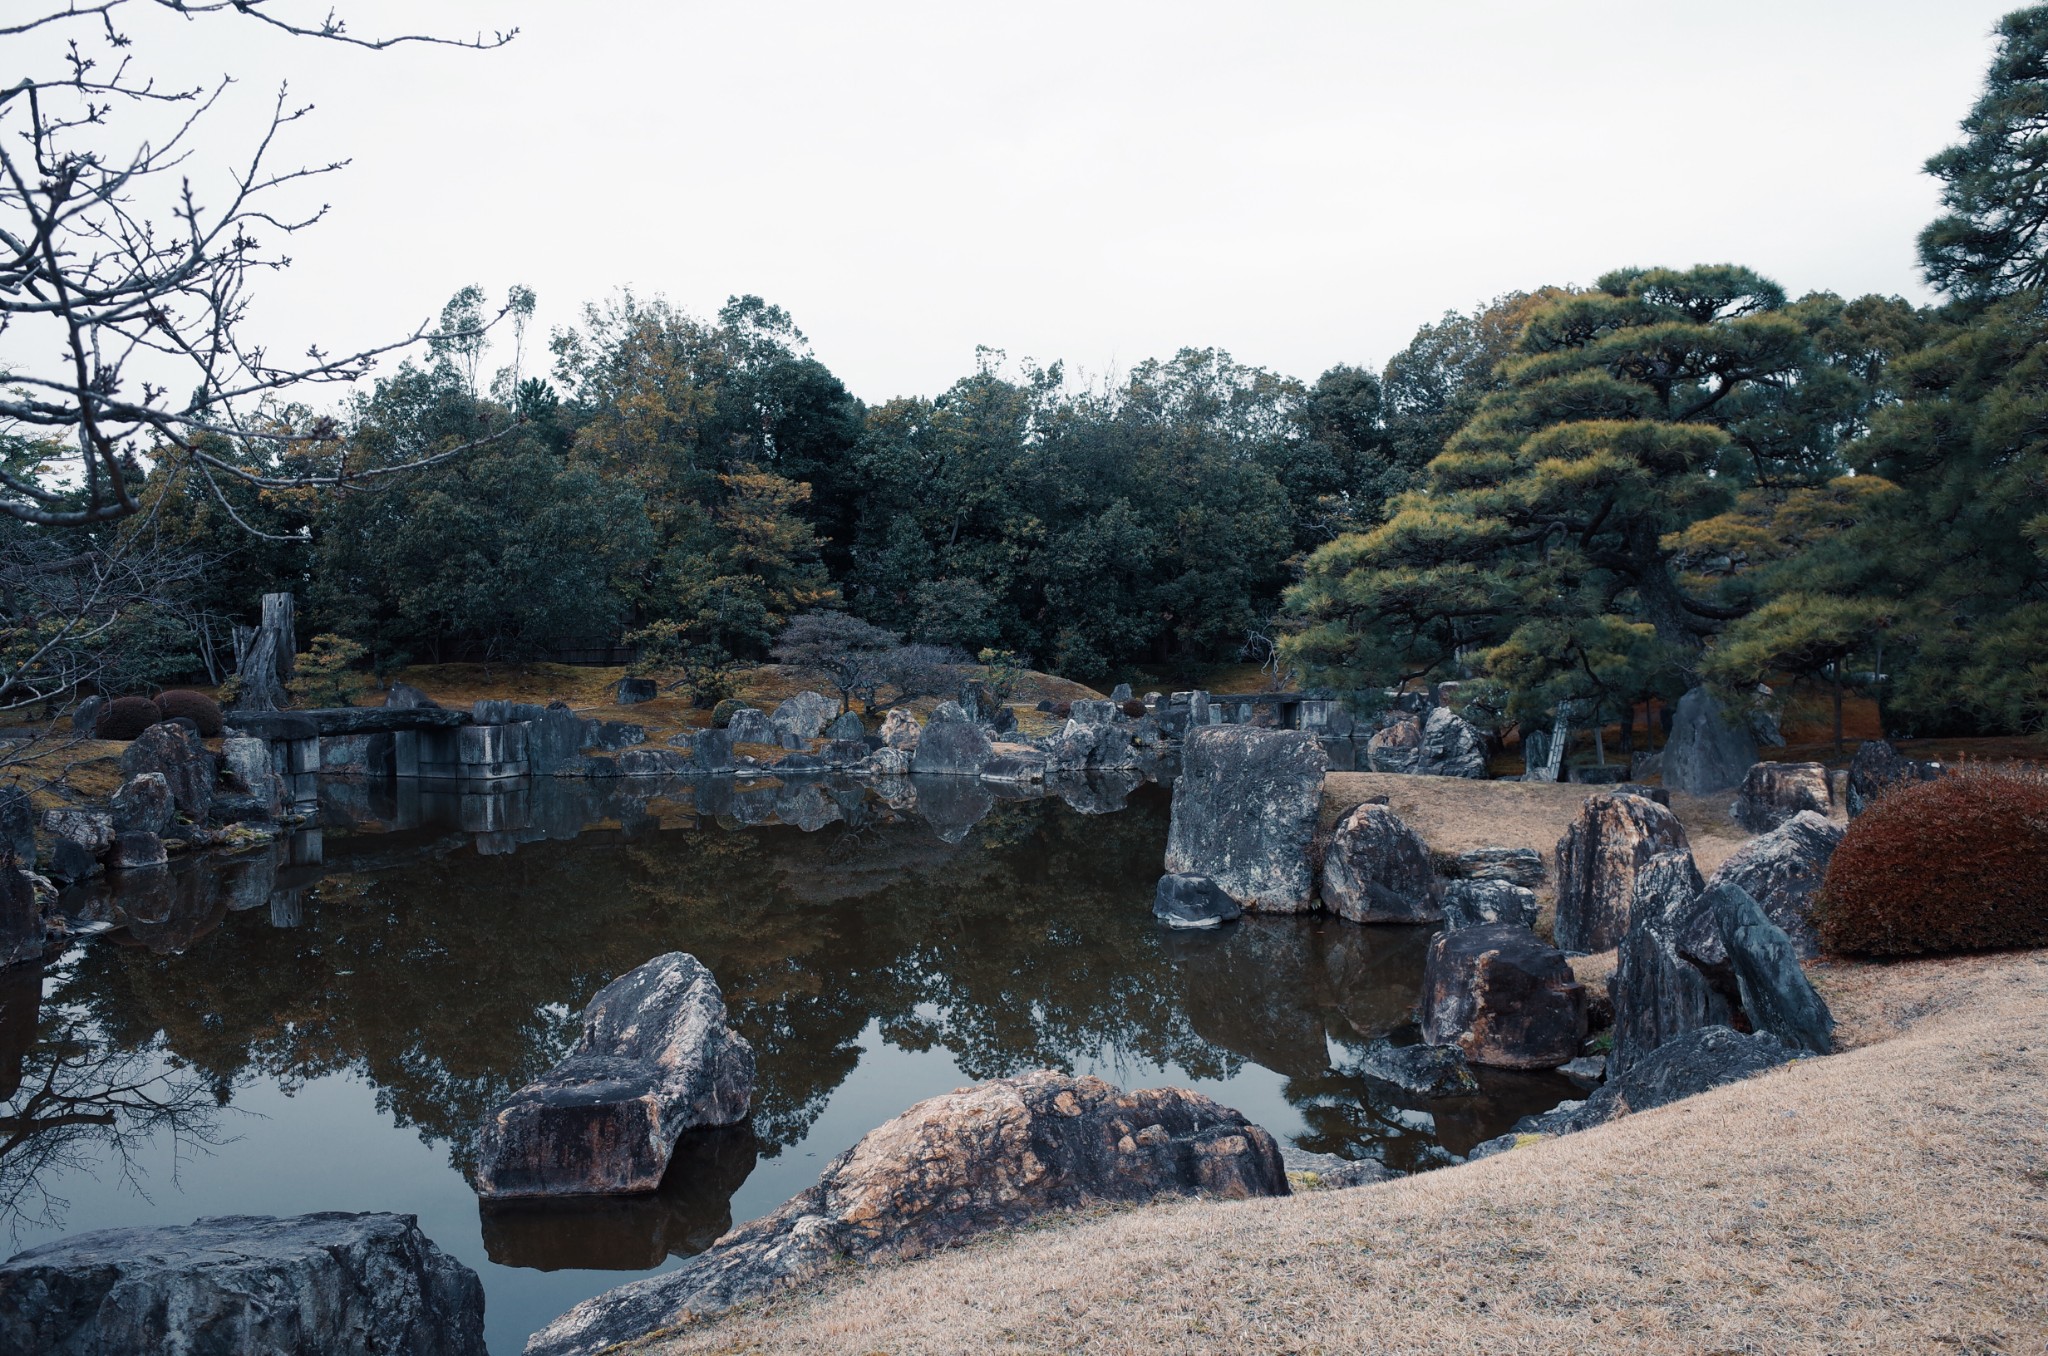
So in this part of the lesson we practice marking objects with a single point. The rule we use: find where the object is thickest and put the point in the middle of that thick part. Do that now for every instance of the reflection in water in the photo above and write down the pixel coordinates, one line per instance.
(629, 1233)
(438, 942)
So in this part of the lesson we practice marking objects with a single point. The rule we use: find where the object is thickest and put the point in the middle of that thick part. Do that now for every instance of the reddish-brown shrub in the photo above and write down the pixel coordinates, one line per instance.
(196, 707)
(1063, 709)
(1959, 864)
(1134, 708)
(125, 718)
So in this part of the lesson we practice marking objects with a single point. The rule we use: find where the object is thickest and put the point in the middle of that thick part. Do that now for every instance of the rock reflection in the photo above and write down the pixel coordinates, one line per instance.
(689, 1212)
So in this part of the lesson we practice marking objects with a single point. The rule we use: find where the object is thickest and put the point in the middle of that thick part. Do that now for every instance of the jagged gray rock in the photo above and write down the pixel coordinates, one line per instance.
(332, 1284)
(1377, 870)
(1450, 746)
(1660, 990)
(143, 804)
(846, 725)
(1774, 792)
(174, 750)
(1520, 866)
(1475, 903)
(1707, 750)
(1425, 1070)
(1396, 748)
(951, 745)
(804, 715)
(1878, 767)
(656, 1058)
(991, 1156)
(1244, 812)
(1776, 995)
(1597, 861)
(1783, 870)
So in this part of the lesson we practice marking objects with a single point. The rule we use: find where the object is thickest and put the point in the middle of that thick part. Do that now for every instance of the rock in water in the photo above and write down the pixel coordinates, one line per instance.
(135, 849)
(1782, 871)
(1520, 866)
(656, 1058)
(1707, 751)
(1597, 861)
(332, 1284)
(1425, 1070)
(174, 749)
(987, 1157)
(1876, 768)
(1450, 747)
(1377, 870)
(900, 729)
(951, 745)
(1398, 748)
(1776, 995)
(1660, 991)
(1244, 810)
(1192, 902)
(804, 715)
(1774, 792)
(1502, 997)
(1476, 903)
(143, 805)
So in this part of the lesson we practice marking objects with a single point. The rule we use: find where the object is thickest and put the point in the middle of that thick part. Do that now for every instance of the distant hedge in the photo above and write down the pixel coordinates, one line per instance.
(1959, 864)
(126, 717)
(196, 707)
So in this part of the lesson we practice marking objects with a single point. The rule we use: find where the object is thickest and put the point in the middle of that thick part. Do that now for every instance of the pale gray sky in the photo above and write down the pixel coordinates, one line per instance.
(1302, 184)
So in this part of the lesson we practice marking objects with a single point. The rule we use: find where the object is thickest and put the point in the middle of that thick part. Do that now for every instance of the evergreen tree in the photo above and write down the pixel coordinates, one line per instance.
(1993, 239)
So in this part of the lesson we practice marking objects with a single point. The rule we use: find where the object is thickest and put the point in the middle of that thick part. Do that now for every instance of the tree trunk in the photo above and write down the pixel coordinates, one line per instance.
(1838, 708)
(280, 619)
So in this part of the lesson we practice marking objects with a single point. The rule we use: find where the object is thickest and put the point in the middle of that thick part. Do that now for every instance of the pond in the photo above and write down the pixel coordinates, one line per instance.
(321, 1024)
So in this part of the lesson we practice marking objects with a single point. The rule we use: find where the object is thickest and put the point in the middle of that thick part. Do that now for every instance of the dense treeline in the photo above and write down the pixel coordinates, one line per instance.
(1595, 494)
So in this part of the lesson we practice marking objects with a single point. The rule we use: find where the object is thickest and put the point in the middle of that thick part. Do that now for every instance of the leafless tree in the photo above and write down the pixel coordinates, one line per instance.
(120, 287)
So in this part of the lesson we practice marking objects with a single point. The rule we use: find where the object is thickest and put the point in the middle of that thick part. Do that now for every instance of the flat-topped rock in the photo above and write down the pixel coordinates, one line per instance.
(991, 1156)
(1244, 812)
(311, 1285)
(656, 1058)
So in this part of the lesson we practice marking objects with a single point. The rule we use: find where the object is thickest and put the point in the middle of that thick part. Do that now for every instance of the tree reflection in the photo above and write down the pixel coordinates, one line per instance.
(72, 1101)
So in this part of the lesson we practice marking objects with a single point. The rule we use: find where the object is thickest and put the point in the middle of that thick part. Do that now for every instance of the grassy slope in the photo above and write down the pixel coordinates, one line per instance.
(1890, 1199)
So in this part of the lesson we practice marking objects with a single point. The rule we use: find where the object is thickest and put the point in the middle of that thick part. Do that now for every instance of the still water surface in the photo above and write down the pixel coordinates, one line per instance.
(321, 1025)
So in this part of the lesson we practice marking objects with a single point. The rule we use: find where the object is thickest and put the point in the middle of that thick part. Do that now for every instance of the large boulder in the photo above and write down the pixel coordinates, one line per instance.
(1774, 792)
(92, 830)
(750, 726)
(656, 1058)
(633, 691)
(1244, 812)
(991, 1156)
(1377, 870)
(1397, 748)
(1776, 995)
(900, 729)
(1502, 997)
(1660, 989)
(1783, 870)
(1708, 750)
(1451, 746)
(1878, 767)
(174, 750)
(1519, 866)
(1597, 861)
(333, 1284)
(252, 789)
(1181, 901)
(951, 745)
(143, 805)
(1474, 903)
(846, 725)
(1684, 1067)
(805, 715)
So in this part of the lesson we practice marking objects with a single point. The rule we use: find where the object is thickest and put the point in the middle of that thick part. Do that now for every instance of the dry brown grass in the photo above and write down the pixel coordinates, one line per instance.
(67, 771)
(1892, 1199)
(1453, 814)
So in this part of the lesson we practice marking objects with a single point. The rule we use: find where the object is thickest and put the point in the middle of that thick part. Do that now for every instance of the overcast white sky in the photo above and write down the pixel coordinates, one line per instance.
(1302, 184)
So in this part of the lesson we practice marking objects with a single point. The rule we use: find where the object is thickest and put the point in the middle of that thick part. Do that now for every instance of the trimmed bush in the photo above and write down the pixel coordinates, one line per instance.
(1063, 709)
(1134, 708)
(722, 714)
(1949, 865)
(126, 717)
(196, 707)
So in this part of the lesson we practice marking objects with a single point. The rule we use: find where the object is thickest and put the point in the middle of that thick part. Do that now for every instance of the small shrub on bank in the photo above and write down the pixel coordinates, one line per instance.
(1134, 708)
(1948, 865)
(126, 717)
(202, 710)
(722, 714)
